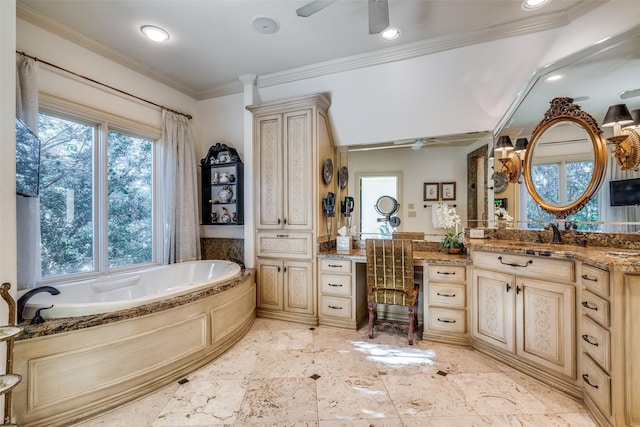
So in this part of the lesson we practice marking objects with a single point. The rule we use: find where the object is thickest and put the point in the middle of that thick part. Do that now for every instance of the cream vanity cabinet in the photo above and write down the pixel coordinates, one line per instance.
(342, 301)
(523, 311)
(292, 141)
(446, 299)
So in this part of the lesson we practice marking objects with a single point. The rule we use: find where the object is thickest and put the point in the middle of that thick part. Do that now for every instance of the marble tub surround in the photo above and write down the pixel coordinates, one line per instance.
(284, 374)
(54, 326)
(219, 248)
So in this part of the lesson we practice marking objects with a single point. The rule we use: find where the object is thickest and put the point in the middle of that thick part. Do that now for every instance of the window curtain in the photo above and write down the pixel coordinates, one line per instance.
(620, 213)
(179, 192)
(28, 208)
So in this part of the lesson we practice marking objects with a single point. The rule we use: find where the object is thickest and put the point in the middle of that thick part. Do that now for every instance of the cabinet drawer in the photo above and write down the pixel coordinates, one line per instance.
(524, 265)
(284, 245)
(597, 384)
(448, 273)
(595, 280)
(335, 265)
(596, 341)
(596, 308)
(447, 319)
(450, 295)
(335, 306)
(335, 284)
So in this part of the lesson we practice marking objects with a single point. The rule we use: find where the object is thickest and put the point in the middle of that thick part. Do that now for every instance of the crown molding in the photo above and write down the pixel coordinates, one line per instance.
(525, 26)
(55, 27)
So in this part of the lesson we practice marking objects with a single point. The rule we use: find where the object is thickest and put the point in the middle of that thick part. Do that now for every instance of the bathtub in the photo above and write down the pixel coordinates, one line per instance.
(163, 323)
(127, 290)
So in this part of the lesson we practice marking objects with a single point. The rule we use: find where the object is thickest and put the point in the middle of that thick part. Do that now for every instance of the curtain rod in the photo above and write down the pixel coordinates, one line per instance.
(188, 116)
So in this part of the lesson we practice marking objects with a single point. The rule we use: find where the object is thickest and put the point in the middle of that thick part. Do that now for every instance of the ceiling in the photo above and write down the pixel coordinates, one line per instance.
(213, 42)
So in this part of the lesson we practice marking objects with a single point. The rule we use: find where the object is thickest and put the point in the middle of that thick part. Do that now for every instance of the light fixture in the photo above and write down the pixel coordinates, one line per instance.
(635, 115)
(390, 33)
(511, 164)
(626, 142)
(521, 146)
(154, 33)
(554, 78)
(533, 4)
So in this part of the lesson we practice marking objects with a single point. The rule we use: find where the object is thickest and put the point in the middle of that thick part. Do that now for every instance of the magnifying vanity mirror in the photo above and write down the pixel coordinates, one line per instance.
(566, 143)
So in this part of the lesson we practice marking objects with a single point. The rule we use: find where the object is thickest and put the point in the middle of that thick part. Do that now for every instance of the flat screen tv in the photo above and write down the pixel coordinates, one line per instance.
(27, 160)
(625, 192)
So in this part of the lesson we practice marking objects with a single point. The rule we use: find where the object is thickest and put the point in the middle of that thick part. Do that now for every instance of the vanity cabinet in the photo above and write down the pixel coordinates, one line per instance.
(445, 303)
(292, 141)
(342, 302)
(524, 307)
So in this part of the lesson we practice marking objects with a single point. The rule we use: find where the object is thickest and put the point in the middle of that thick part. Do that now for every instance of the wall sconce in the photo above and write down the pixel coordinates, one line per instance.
(511, 163)
(626, 141)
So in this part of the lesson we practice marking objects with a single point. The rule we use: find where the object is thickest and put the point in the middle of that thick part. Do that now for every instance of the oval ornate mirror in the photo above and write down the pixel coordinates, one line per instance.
(565, 132)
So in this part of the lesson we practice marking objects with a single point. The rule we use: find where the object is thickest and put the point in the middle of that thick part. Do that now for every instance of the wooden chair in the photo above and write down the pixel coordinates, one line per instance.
(390, 280)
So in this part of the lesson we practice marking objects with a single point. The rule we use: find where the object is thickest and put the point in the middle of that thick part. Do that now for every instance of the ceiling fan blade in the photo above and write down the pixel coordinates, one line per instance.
(378, 16)
(313, 7)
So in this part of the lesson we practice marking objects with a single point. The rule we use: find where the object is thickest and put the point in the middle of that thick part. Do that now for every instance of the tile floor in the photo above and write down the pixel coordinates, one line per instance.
(284, 374)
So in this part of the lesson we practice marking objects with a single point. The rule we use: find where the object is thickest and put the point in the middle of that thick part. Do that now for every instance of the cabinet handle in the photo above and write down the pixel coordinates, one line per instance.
(282, 235)
(285, 220)
(585, 338)
(510, 264)
(508, 287)
(278, 221)
(518, 289)
(335, 285)
(285, 269)
(335, 307)
(334, 265)
(446, 295)
(585, 304)
(446, 272)
(585, 377)
(278, 269)
(585, 277)
(446, 320)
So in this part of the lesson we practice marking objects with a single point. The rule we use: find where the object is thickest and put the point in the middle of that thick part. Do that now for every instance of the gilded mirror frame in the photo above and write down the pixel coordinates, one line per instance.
(564, 110)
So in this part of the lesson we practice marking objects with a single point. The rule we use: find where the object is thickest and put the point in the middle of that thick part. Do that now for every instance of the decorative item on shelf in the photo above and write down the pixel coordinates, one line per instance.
(503, 219)
(225, 178)
(225, 218)
(448, 219)
(221, 154)
(626, 141)
(225, 194)
(511, 166)
(215, 178)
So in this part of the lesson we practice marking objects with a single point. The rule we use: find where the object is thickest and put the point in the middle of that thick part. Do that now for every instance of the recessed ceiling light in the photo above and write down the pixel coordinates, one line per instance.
(390, 33)
(154, 33)
(554, 78)
(265, 25)
(534, 4)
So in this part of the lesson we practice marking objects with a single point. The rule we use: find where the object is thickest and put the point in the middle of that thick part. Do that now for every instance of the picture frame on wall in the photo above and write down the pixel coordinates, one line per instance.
(448, 190)
(431, 191)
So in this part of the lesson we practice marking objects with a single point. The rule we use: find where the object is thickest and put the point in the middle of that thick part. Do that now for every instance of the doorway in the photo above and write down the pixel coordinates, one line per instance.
(477, 206)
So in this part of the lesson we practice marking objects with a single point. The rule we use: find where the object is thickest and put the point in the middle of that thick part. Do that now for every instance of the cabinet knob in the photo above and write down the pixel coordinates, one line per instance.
(285, 221)
(278, 221)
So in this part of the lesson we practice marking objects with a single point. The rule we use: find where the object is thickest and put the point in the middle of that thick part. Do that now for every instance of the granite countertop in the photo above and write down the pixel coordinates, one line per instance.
(607, 258)
(428, 256)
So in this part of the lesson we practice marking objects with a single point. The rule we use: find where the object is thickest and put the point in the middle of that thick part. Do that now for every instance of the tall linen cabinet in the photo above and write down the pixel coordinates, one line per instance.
(291, 141)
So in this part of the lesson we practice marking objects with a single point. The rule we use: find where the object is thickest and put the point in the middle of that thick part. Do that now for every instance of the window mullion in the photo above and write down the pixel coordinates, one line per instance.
(101, 202)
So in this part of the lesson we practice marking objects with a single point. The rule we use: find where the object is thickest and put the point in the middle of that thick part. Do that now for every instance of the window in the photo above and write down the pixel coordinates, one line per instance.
(372, 187)
(96, 196)
(561, 183)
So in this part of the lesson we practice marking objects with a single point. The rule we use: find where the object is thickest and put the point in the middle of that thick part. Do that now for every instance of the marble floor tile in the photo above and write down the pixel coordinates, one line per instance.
(496, 394)
(352, 398)
(203, 403)
(265, 380)
(279, 399)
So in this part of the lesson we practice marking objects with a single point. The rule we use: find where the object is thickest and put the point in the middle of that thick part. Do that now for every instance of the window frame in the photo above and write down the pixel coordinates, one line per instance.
(105, 122)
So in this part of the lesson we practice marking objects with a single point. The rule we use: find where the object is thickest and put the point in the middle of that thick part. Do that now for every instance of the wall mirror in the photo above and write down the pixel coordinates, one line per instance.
(597, 77)
(566, 159)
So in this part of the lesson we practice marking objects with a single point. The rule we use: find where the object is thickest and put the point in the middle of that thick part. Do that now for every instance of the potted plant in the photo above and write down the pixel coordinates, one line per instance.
(502, 217)
(450, 220)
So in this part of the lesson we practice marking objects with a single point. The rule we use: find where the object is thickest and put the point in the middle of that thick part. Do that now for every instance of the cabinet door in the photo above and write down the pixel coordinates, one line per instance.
(299, 291)
(546, 324)
(493, 308)
(269, 175)
(299, 171)
(270, 284)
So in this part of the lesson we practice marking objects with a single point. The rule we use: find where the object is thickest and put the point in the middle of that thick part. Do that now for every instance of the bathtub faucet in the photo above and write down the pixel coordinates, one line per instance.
(27, 296)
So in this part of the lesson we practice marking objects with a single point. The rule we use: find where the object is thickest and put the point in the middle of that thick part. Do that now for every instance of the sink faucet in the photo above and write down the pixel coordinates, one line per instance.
(27, 296)
(556, 232)
(570, 225)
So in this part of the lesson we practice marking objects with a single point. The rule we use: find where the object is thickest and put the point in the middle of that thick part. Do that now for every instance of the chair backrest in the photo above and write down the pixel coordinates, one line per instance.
(390, 278)
(410, 235)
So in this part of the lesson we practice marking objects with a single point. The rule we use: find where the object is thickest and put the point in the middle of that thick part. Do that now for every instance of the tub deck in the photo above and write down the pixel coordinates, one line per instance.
(76, 367)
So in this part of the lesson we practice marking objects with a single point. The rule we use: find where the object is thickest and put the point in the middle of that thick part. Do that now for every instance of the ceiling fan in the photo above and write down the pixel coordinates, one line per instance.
(417, 144)
(378, 13)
